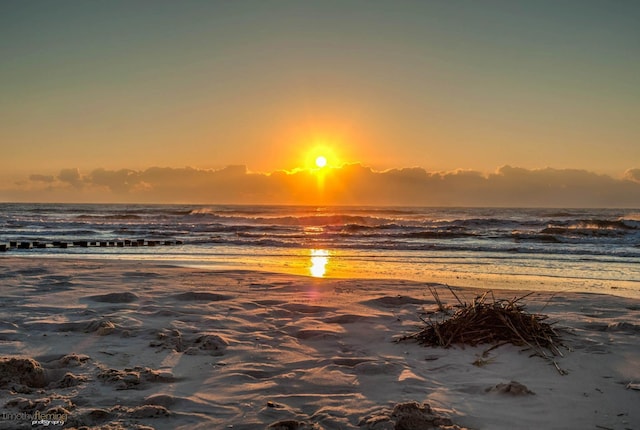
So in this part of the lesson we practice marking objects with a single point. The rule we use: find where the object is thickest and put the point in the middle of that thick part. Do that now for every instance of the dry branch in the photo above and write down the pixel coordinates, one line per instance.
(495, 322)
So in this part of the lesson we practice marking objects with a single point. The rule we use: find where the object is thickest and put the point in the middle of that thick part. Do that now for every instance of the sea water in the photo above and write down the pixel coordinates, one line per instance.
(594, 250)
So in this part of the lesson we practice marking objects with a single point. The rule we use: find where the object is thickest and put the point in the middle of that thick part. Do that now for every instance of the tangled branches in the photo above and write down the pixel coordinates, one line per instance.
(496, 322)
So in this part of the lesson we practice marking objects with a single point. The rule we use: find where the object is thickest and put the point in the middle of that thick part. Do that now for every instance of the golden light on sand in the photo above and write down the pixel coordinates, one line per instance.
(319, 260)
(321, 161)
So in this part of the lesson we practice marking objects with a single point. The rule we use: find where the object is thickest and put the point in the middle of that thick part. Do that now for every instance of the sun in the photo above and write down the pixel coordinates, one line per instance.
(321, 161)
(320, 157)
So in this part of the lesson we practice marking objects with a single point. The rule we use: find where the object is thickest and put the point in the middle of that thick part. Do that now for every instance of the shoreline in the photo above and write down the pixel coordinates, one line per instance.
(301, 266)
(140, 343)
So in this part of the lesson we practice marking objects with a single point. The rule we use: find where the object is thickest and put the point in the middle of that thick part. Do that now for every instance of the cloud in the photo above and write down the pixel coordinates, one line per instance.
(632, 175)
(71, 176)
(119, 181)
(42, 178)
(351, 184)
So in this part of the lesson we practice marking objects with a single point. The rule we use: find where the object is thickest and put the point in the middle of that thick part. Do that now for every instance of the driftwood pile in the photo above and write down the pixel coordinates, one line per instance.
(493, 321)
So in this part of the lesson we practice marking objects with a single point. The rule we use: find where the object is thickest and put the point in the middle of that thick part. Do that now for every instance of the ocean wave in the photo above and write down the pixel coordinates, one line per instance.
(108, 217)
(497, 250)
(252, 242)
(436, 235)
(306, 220)
(632, 216)
(240, 228)
(535, 237)
(287, 236)
(45, 235)
(356, 228)
(593, 227)
(508, 231)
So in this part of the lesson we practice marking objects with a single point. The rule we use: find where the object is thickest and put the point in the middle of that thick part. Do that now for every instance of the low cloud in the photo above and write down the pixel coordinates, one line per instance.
(71, 177)
(632, 175)
(352, 184)
(42, 178)
(118, 181)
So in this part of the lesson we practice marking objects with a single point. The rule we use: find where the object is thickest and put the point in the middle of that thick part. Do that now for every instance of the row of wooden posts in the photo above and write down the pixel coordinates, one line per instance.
(85, 244)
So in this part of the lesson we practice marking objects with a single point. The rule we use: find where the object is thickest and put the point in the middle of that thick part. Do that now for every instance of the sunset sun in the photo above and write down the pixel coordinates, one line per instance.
(321, 161)
(322, 154)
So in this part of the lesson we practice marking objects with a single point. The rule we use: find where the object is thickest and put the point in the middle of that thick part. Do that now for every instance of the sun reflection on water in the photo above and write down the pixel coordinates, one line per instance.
(319, 261)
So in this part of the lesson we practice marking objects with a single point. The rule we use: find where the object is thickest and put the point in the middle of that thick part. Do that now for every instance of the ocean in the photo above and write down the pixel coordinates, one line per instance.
(588, 250)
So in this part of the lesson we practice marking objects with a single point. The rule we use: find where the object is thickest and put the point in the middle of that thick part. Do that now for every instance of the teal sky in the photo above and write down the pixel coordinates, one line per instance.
(436, 84)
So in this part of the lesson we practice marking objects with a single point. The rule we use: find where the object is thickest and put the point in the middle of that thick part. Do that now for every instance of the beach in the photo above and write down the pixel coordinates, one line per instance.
(140, 344)
(319, 215)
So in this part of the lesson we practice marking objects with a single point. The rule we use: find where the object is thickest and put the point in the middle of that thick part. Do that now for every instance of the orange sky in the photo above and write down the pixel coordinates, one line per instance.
(438, 85)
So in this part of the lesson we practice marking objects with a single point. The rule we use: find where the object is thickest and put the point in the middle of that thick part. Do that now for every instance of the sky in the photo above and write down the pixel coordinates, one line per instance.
(117, 100)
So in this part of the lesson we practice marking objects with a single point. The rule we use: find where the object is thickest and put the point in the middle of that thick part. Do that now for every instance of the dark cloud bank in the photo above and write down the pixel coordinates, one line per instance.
(351, 184)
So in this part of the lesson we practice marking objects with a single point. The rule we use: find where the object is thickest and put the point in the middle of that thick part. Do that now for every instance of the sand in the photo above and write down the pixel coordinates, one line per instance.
(111, 344)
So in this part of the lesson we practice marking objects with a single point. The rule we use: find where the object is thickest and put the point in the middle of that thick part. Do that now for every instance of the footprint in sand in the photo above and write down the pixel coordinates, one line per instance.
(190, 344)
(134, 378)
(24, 374)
